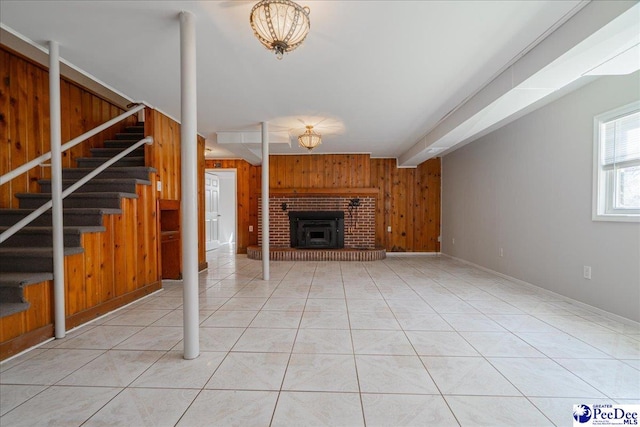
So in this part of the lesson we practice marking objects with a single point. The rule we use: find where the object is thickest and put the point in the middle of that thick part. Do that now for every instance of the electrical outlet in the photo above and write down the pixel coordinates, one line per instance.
(251, 229)
(586, 272)
(453, 241)
(159, 185)
(439, 239)
(501, 252)
(389, 229)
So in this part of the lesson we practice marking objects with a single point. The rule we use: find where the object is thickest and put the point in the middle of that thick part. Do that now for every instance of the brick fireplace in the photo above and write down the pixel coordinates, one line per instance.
(359, 222)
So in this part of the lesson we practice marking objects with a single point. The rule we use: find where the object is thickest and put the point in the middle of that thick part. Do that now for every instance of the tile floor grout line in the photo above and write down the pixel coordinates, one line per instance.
(393, 280)
(353, 348)
(421, 361)
(284, 376)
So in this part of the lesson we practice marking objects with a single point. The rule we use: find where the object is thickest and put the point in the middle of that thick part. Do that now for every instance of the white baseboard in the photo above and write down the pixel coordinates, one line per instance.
(581, 304)
(394, 254)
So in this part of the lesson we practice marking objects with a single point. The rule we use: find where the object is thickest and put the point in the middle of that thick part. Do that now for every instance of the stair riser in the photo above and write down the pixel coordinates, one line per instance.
(109, 152)
(29, 251)
(93, 162)
(75, 174)
(112, 143)
(69, 220)
(12, 263)
(130, 136)
(11, 294)
(92, 187)
(134, 129)
(39, 240)
(70, 202)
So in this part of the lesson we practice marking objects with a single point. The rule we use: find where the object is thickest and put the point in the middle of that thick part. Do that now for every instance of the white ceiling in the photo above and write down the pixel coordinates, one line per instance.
(373, 76)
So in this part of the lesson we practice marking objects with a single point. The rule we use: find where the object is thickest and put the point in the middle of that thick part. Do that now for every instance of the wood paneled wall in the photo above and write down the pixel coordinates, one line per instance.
(24, 121)
(202, 254)
(247, 189)
(117, 266)
(164, 155)
(408, 201)
(319, 171)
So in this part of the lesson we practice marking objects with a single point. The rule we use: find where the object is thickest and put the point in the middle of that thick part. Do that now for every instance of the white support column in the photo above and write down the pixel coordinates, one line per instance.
(265, 201)
(56, 191)
(189, 188)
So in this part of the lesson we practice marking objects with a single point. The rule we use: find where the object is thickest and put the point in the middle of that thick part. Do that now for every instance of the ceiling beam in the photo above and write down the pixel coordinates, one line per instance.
(596, 34)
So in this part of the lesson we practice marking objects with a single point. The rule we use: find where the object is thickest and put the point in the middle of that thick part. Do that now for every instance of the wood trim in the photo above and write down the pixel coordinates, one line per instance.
(37, 336)
(25, 341)
(63, 77)
(339, 191)
(104, 308)
(169, 204)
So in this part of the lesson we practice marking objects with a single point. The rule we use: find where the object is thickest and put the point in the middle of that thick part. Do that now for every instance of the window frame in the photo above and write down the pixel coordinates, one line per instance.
(604, 192)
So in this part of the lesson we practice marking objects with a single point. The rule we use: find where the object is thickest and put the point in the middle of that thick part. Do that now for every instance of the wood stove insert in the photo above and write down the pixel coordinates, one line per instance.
(317, 229)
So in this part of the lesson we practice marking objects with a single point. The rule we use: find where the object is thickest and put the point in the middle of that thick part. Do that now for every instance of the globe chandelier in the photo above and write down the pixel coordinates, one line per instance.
(280, 25)
(309, 139)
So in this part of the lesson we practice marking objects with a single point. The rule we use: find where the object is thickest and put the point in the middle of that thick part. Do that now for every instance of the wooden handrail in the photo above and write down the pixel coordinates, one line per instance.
(42, 209)
(72, 143)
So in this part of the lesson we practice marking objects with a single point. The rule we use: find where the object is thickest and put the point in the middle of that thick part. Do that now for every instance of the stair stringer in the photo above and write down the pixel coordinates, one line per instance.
(120, 264)
(117, 266)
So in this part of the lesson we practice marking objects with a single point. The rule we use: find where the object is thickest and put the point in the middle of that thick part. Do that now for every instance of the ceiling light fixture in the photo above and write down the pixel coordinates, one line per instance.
(280, 25)
(309, 139)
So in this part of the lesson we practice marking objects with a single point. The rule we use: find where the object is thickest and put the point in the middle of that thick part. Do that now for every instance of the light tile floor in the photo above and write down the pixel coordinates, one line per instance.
(423, 341)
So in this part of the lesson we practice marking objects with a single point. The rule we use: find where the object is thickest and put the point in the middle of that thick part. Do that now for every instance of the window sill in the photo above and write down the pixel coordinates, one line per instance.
(617, 217)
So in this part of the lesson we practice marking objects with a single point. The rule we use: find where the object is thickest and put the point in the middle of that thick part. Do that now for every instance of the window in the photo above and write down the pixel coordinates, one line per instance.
(617, 165)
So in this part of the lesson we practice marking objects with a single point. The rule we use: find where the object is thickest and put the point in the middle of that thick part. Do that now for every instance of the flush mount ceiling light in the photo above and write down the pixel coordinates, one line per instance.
(280, 25)
(309, 139)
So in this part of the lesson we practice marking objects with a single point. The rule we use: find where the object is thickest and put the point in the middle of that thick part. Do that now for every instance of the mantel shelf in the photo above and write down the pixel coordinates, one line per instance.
(313, 192)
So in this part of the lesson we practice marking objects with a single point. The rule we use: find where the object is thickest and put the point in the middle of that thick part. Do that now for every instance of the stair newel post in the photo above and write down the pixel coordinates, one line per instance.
(265, 201)
(56, 190)
(189, 185)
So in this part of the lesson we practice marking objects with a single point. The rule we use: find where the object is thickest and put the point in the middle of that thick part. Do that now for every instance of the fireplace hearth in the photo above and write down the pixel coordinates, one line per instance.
(316, 229)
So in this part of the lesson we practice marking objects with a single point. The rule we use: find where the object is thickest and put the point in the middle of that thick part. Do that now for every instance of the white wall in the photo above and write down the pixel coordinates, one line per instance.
(526, 188)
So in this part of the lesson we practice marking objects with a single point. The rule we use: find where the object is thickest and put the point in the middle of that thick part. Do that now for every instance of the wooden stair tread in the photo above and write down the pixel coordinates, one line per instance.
(67, 229)
(101, 180)
(9, 308)
(104, 211)
(23, 279)
(35, 252)
(76, 195)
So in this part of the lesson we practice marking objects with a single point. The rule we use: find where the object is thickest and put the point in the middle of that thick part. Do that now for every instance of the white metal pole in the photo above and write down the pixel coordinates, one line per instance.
(265, 201)
(189, 187)
(56, 191)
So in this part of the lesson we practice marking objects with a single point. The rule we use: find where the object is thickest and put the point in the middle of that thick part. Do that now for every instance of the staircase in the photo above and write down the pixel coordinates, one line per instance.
(27, 257)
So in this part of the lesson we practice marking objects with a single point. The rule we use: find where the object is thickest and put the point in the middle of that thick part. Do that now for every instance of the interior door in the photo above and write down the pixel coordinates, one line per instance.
(211, 215)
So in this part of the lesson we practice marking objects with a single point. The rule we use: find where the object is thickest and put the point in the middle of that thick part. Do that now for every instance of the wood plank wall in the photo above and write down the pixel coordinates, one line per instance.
(117, 266)
(24, 121)
(408, 201)
(319, 171)
(202, 254)
(164, 156)
(247, 189)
